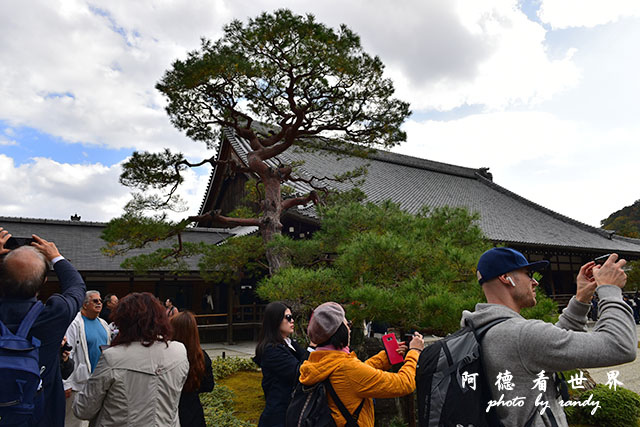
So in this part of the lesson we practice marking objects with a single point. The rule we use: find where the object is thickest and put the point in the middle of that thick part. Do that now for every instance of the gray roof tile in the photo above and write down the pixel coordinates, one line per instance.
(80, 242)
(413, 183)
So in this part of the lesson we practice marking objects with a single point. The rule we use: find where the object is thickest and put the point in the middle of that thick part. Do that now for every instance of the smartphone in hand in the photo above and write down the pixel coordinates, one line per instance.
(601, 259)
(391, 345)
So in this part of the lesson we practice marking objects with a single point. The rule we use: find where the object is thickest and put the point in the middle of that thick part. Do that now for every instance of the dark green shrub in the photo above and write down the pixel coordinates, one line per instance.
(619, 408)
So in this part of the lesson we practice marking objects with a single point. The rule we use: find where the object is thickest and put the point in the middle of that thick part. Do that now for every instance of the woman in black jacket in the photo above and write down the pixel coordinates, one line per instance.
(200, 376)
(280, 358)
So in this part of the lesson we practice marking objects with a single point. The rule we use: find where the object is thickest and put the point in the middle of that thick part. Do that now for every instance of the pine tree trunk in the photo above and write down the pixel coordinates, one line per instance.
(271, 224)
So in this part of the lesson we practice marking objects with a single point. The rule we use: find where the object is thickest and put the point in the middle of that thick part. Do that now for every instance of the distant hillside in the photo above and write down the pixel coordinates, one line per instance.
(626, 221)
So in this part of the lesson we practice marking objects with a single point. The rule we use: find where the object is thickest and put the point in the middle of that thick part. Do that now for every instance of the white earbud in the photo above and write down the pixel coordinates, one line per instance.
(511, 280)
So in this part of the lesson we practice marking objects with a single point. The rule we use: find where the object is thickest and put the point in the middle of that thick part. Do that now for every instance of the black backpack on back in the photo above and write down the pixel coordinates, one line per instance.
(445, 381)
(309, 407)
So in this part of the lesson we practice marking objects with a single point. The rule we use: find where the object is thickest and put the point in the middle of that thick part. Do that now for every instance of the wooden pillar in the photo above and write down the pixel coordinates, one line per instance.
(254, 318)
(230, 292)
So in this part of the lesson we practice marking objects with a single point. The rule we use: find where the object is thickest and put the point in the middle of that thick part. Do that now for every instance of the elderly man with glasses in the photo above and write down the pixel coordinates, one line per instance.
(86, 334)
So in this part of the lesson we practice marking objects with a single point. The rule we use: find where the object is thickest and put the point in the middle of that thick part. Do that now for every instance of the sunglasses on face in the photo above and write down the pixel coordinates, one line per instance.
(289, 317)
(96, 301)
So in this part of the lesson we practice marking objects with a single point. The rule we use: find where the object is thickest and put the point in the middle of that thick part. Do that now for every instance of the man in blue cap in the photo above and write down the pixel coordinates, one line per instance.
(520, 356)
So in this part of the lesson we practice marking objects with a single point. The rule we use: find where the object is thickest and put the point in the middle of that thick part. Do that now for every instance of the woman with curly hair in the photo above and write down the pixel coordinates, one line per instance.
(200, 377)
(138, 380)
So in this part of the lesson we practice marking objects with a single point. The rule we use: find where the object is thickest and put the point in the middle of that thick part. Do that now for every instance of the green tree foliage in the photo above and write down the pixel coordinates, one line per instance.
(235, 260)
(386, 265)
(626, 221)
(315, 84)
(633, 277)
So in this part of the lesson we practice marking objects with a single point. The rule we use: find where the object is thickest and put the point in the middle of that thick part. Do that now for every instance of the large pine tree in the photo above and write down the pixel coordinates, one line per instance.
(316, 85)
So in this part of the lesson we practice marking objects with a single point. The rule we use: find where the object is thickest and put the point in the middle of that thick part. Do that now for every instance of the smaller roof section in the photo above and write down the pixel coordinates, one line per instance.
(80, 242)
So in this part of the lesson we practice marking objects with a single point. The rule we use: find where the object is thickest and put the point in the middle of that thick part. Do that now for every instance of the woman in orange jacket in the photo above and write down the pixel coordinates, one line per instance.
(356, 383)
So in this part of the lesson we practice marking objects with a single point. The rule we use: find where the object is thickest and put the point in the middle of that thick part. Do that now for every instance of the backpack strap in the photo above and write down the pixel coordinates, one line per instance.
(561, 385)
(4, 331)
(352, 420)
(29, 319)
(481, 331)
(547, 411)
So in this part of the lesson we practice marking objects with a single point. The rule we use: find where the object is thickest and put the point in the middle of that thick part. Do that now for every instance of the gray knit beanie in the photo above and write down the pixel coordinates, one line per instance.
(325, 321)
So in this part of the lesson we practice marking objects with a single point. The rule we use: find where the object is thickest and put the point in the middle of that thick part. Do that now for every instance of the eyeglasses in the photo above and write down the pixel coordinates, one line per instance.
(289, 317)
(532, 274)
(96, 301)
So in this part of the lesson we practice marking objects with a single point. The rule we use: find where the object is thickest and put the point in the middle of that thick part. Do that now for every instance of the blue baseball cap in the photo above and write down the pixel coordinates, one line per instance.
(497, 261)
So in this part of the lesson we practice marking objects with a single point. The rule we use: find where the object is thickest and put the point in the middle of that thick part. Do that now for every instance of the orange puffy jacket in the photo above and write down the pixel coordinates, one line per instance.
(354, 380)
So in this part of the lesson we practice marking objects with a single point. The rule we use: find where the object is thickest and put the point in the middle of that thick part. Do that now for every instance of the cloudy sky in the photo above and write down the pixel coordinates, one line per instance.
(543, 92)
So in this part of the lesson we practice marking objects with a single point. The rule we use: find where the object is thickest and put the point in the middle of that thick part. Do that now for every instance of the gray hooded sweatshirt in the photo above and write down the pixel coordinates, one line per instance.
(527, 347)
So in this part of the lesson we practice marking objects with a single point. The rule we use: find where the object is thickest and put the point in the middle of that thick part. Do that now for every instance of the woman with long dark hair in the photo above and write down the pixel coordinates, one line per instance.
(138, 380)
(200, 377)
(280, 358)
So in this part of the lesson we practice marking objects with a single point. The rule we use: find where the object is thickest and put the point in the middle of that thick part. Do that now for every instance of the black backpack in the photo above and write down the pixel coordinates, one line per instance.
(443, 399)
(309, 407)
(20, 397)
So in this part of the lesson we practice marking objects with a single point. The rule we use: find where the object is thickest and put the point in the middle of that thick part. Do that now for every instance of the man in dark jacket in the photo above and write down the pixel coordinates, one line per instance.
(110, 303)
(23, 273)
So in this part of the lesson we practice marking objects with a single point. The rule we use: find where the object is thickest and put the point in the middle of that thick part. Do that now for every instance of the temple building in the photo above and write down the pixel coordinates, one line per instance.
(505, 217)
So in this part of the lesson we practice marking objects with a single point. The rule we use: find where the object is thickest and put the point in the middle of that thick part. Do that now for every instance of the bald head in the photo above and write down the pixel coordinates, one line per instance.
(23, 272)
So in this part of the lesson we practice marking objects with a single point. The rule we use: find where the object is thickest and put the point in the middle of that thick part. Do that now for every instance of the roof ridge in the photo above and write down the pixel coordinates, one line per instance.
(421, 163)
(395, 158)
(27, 220)
(50, 221)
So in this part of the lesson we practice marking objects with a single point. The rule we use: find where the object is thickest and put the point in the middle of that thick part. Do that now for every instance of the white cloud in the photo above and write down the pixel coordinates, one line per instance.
(6, 142)
(442, 54)
(560, 164)
(86, 72)
(516, 69)
(50, 189)
(586, 13)
(73, 71)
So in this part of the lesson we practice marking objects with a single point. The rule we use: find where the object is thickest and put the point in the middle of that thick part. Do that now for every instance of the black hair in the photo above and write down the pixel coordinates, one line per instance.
(339, 339)
(270, 331)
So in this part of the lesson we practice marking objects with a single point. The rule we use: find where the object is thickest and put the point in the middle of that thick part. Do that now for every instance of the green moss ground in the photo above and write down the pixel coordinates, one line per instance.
(248, 400)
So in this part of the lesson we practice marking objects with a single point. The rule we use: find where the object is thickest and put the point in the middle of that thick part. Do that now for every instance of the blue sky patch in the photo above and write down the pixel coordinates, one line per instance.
(530, 8)
(33, 143)
(445, 116)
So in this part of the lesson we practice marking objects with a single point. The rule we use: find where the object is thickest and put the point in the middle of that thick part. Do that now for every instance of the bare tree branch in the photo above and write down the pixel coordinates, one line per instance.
(225, 220)
(296, 201)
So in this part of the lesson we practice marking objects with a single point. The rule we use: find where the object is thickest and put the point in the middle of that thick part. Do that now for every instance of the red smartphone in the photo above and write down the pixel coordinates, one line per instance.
(391, 345)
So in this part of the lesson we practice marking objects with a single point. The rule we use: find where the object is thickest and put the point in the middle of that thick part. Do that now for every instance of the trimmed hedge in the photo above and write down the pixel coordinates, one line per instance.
(619, 408)
(223, 368)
